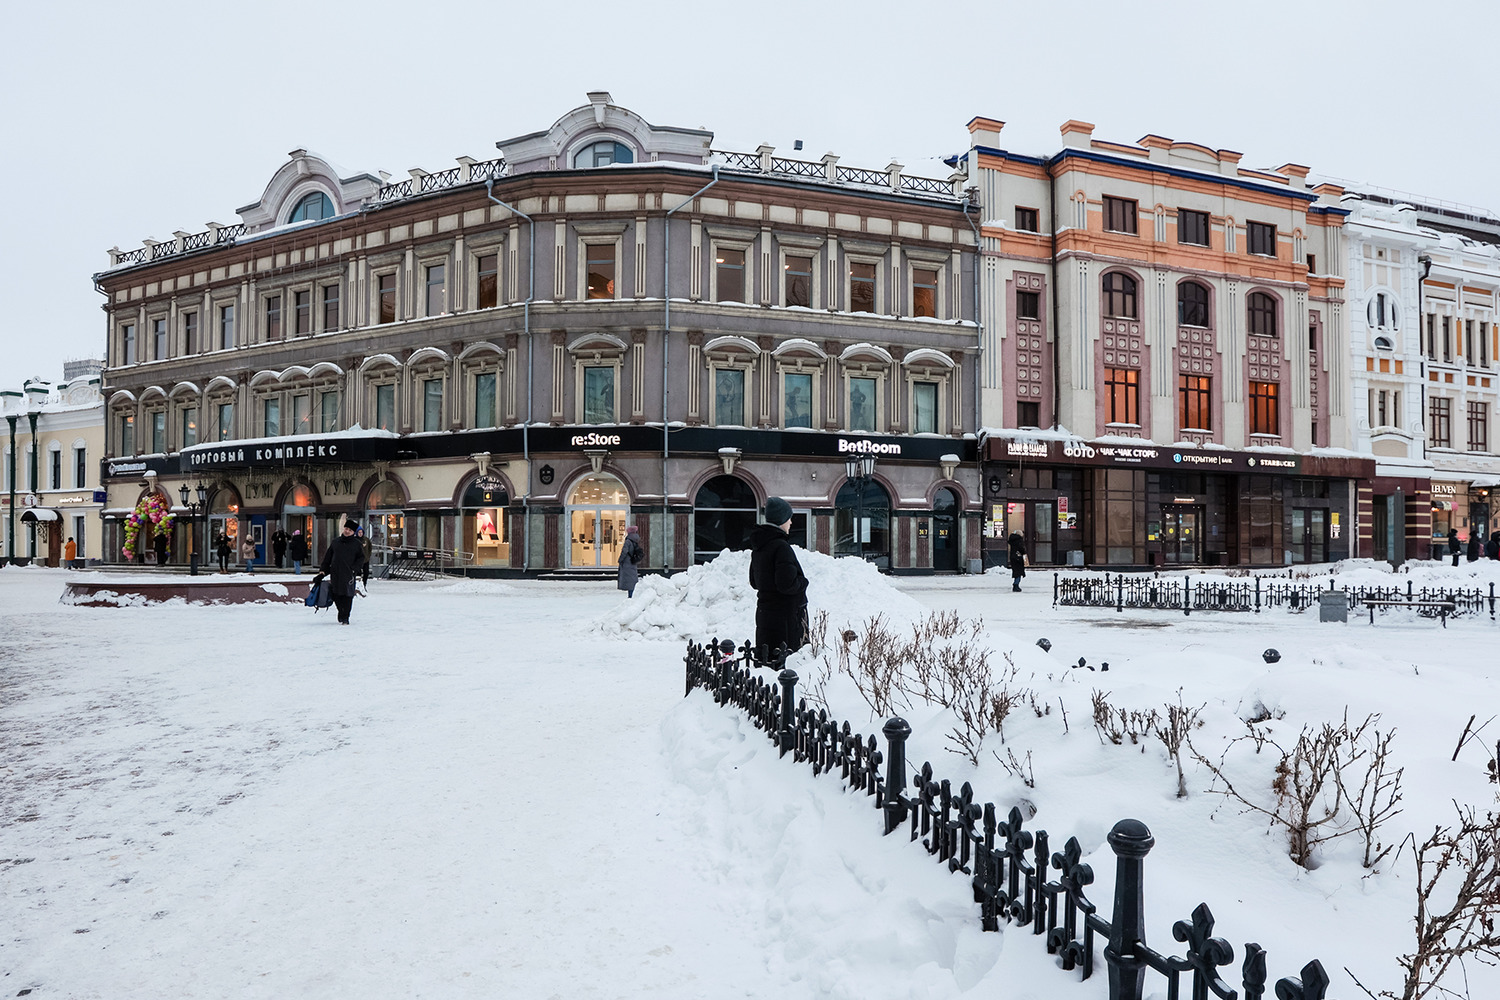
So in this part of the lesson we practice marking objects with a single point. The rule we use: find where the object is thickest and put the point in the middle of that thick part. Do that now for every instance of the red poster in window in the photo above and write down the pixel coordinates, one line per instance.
(1062, 505)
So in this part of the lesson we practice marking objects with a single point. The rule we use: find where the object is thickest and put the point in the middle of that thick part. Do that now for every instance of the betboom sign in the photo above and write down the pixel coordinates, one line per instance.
(862, 446)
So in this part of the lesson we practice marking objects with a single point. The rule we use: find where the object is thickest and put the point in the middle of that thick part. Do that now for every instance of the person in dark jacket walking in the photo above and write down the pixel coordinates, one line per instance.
(223, 548)
(279, 539)
(1475, 548)
(297, 549)
(631, 556)
(342, 564)
(1453, 544)
(160, 544)
(1492, 547)
(364, 546)
(780, 586)
(1016, 548)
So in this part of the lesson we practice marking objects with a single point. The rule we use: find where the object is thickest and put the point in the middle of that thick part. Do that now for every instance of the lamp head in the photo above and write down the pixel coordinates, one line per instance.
(183, 492)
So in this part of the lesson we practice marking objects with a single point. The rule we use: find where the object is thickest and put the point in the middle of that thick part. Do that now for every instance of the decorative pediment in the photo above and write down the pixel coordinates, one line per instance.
(302, 175)
(601, 120)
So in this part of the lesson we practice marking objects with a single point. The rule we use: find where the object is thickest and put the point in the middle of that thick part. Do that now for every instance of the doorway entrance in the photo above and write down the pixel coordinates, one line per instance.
(945, 531)
(1309, 543)
(1034, 519)
(597, 511)
(1181, 534)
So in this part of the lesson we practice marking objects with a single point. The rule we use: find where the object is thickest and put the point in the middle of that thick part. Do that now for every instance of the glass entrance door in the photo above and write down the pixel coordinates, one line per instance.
(1034, 520)
(598, 511)
(1309, 535)
(1181, 537)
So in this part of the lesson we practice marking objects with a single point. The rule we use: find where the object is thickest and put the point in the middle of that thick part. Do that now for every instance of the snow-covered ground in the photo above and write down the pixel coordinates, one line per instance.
(497, 789)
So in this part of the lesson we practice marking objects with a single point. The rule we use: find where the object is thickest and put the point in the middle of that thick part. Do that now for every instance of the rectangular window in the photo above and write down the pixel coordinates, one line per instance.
(436, 278)
(79, 524)
(127, 338)
(226, 327)
(1265, 417)
(386, 295)
(729, 396)
(601, 270)
(1120, 215)
(861, 287)
(1026, 220)
(1484, 344)
(328, 412)
(1028, 414)
(796, 400)
(924, 286)
(1192, 227)
(302, 413)
(489, 281)
(302, 313)
(273, 317)
(1469, 341)
(159, 432)
(54, 470)
(598, 395)
(729, 270)
(924, 404)
(1312, 263)
(271, 425)
(862, 404)
(226, 421)
(385, 407)
(432, 404)
(1479, 426)
(1440, 420)
(1431, 340)
(190, 344)
(484, 400)
(1447, 338)
(1028, 305)
(1382, 418)
(1261, 236)
(799, 274)
(330, 308)
(158, 340)
(127, 435)
(1196, 410)
(1122, 386)
(80, 468)
(189, 426)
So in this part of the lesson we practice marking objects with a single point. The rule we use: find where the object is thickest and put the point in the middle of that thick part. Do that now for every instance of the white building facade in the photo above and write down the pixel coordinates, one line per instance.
(49, 471)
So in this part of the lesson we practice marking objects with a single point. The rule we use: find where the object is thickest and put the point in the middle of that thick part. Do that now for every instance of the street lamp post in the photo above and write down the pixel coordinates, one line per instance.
(860, 470)
(193, 504)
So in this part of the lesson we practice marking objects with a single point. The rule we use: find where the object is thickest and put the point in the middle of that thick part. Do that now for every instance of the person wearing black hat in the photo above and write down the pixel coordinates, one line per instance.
(341, 564)
(780, 586)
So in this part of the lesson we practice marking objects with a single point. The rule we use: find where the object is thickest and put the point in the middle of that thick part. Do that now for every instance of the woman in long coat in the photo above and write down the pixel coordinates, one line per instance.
(631, 556)
(1017, 559)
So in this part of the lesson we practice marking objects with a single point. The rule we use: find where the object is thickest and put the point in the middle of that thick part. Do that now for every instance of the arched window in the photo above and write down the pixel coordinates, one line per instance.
(1384, 344)
(1192, 304)
(312, 208)
(602, 154)
(1119, 295)
(1262, 315)
(723, 517)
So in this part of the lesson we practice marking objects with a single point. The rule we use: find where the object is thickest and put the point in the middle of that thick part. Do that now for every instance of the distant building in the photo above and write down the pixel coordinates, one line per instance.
(1424, 277)
(511, 361)
(49, 476)
(1164, 376)
(82, 368)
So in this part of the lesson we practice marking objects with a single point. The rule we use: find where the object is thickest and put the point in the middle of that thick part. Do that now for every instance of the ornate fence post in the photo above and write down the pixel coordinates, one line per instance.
(788, 678)
(1054, 590)
(1257, 595)
(896, 731)
(1119, 592)
(1131, 842)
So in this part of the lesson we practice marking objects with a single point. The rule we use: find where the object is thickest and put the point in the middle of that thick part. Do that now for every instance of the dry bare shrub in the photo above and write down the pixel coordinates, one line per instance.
(1117, 725)
(1173, 729)
(1017, 768)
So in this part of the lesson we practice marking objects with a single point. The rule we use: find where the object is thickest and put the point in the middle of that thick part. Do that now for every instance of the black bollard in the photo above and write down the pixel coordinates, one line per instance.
(896, 731)
(1131, 842)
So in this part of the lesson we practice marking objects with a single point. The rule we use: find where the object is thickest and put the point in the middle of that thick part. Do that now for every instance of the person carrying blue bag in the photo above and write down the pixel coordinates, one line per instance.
(340, 569)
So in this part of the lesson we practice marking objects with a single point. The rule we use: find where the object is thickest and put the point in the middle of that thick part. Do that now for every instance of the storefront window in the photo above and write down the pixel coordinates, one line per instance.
(1119, 517)
(862, 522)
(385, 524)
(723, 517)
(597, 512)
(486, 523)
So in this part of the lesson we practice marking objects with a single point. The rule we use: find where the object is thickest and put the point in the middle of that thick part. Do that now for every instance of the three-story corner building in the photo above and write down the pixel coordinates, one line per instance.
(49, 477)
(1424, 276)
(1165, 355)
(511, 361)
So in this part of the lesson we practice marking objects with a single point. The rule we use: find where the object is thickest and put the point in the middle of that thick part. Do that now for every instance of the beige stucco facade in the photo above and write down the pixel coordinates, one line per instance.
(45, 502)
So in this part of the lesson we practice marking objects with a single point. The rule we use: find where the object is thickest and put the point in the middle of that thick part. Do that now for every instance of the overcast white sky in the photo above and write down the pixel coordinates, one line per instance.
(125, 121)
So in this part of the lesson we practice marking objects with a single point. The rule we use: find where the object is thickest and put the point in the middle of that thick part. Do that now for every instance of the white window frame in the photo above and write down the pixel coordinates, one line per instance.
(215, 402)
(867, 371)
(301, 392)
(595, 360)
(916, 262)
(422, 377)
(925, 378)
(800, 366)
(289, 310)
(150, 414)
(55, 448)
(492, 366)
(166, 335)
(599, 240)
(392, 378)
(375, 275)
(179, 412)
(854, 257)
(747, 246)
(729, 363)
(217, 306)
(791, 249)
(472, 298)
(262, 327)
(261, 399)
(423, 265)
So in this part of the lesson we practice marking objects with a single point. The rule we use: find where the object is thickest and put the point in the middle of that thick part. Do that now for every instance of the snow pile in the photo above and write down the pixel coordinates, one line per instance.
(716, 600)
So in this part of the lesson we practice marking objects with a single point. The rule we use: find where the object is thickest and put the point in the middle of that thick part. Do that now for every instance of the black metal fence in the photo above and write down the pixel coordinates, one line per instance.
(1183, 593)
(1013, 875)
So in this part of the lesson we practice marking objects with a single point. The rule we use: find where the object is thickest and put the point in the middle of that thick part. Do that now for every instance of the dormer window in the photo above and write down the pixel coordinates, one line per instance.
(313, 208)
(602, 154)
(1384, 344)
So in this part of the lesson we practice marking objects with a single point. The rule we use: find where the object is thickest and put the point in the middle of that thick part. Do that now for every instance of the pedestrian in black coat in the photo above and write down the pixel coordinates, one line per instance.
(223, 549)
(631, 556)
(780, 586)
(1016, 556)
(1453, 544)
(1492, 547)
(342, 564)
(1474, 550)
(297, 550)
(160, 543)
(279, 538)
